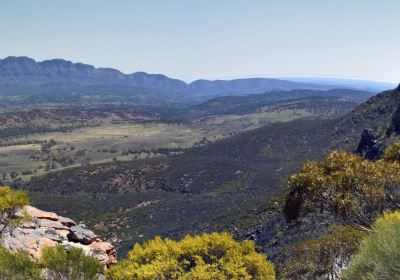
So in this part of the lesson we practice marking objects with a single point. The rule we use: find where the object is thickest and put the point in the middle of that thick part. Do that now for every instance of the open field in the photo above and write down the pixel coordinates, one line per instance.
(123, 141)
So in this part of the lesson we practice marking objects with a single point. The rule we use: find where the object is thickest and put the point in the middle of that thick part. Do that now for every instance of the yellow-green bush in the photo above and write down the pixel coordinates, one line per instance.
(18, 266)
(352, 188)
(209, 256)
(379, 254)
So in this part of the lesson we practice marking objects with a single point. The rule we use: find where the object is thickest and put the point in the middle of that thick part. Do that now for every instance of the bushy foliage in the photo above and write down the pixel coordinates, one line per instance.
(69, 265)
(316, 258)
(392, 153)
(209, 256)
(10, 202)
(353, 189)
(379, 254)
(18, 266)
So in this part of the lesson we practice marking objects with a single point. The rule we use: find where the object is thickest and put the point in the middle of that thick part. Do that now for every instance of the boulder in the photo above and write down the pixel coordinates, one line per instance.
(46, 229)
(80, 233)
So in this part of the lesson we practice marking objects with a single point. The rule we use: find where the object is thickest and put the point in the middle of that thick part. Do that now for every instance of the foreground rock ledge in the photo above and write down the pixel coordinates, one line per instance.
(48, 229)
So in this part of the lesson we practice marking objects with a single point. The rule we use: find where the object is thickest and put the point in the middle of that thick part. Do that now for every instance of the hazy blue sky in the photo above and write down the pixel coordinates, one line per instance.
(190, 39)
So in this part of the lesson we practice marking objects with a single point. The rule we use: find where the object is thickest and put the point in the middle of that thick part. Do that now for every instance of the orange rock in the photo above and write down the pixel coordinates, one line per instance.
(36, 213)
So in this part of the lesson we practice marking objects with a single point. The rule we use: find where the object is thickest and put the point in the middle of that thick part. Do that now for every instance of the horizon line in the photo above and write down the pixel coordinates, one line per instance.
(228, 78)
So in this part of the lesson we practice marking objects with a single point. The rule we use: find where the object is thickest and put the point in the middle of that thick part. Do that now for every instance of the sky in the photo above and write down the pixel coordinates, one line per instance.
(212, 39)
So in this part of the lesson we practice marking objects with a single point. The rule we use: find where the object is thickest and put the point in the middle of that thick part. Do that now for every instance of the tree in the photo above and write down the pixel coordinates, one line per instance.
(351, 188)
(69, 265)
(209, 256)
(11, 201)
(379, 253)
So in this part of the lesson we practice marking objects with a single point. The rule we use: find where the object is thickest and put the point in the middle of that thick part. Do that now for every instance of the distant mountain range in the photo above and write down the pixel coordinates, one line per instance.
(25, 76)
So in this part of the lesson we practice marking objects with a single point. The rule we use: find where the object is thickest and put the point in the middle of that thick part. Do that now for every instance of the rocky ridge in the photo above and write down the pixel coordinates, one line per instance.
(24, 75)
(49, 229)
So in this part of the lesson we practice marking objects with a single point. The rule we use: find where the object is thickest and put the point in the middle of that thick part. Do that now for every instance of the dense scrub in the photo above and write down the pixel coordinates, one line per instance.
(322, 257)
(357, 191)
(56, 263)
(71, 265)
(18, 266)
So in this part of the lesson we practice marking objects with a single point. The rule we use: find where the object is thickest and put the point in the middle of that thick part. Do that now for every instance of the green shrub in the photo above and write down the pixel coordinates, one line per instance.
(10, 202)
(379, 254)
(214, 256)
(315, 258)
(18, 266)
(69, 265)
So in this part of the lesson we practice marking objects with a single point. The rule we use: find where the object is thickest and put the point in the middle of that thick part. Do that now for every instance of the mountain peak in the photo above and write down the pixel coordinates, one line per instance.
(17, 64)
(18, 59)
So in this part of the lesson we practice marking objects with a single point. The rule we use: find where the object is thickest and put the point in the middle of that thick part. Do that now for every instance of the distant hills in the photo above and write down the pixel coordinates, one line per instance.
(25, 76)
(311, 99)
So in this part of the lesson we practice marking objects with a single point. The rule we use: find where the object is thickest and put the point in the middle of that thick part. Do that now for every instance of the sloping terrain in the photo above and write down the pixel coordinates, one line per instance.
(227, 185)
(371, 126)
(232, 184)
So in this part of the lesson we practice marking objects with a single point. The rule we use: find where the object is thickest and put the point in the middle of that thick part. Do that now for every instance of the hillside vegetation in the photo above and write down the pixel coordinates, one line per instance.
(227, 185)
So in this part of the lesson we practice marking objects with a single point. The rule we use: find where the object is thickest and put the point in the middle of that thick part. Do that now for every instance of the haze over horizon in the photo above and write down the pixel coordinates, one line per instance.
(210, 40)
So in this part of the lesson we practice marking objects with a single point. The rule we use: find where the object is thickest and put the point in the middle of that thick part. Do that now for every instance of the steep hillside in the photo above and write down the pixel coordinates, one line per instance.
(371, 126)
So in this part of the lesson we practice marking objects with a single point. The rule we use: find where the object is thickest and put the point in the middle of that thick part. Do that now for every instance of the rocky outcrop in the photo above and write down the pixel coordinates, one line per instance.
(48, 229)
(371, 144)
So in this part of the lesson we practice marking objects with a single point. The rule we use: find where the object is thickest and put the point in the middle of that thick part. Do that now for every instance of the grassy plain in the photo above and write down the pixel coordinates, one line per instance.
(108, 141)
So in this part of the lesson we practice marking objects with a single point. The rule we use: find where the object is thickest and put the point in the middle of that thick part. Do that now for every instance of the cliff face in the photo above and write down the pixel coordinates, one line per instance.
(48, 229)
